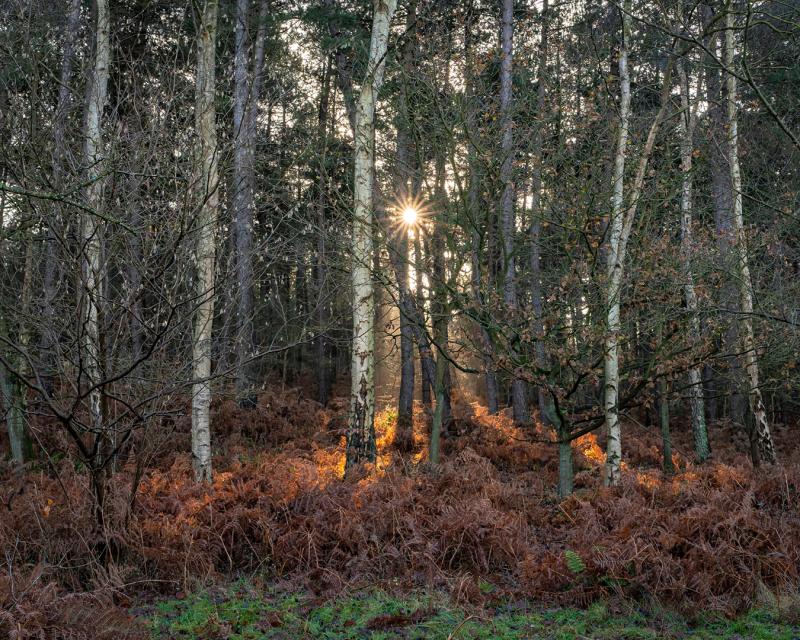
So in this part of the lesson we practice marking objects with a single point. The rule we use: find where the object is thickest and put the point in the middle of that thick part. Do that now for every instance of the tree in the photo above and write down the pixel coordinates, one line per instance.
(206, 183)
(93, 270)
(614, 263)
(246, 95)
(686, 125)
(361, 429)
(398, 239)
(763, 448)
(623, 215)
(518, 399)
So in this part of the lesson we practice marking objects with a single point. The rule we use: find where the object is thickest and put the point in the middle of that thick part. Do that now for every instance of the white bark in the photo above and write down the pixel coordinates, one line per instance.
(615, 258)
(621, 224)
(361, 430)
(207, 201)
(761, 435)
(686, 125)
(92, 268)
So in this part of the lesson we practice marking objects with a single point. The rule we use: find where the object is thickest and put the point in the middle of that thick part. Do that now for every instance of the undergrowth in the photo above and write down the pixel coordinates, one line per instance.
(241, 613)
(720, 537)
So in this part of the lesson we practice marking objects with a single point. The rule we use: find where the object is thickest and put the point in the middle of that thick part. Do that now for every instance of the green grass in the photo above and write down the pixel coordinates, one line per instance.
(242, 613)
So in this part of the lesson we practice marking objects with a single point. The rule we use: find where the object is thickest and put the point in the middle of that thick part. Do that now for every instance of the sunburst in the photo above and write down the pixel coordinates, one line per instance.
(410, 214)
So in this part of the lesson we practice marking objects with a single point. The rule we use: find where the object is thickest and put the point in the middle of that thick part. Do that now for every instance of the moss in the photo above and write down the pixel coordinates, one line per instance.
(241, 613)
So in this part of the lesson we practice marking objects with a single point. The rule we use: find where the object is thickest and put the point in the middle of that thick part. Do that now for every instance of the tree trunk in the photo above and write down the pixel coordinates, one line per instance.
(763, 449)
(398, 246)
(361, 430)
(440, 317)
(427, 379)
(247, 85)
(518, 400)
(566, 476)
(416, 303)
(614, 262)
(12, 387)
(536, 219)
(206, 203)
(686, 125)
(620, 231)
(475, 213)
(322, 297)
(731, 383)
(663, 422)
(49, 338)
(93, 271)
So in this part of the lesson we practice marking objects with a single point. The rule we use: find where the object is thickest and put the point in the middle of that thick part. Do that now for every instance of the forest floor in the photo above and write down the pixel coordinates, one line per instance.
(242, 612)
(481, 535)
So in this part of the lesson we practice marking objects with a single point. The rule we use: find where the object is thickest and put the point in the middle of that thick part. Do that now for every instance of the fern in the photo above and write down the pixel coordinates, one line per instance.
(574, 562)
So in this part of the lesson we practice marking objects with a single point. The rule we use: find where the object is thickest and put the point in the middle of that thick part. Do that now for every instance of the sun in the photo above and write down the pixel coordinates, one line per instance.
(410, 216)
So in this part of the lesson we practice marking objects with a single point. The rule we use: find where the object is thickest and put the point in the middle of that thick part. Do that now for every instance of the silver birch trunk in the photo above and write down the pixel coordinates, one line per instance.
(686, 125)
(763, 447)
(92, 268)
(614, 262)
(361, 429)
(621, 224)
(207, 201)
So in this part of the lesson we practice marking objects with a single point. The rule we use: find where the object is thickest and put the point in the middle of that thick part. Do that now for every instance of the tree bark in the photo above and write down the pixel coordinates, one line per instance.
(428, 377)
(763, 448)
(398, 244)
(620, 227)
(206, 203)
(663, 422)
(48, 339)
(686, 125)
(12, 387)
(93, 270)
(247, 90)
(731, 383)
(322, 297)
(614, 262)
(518, 400)
(486, 346)
(416, 310)
(361, 429)
(536, 218)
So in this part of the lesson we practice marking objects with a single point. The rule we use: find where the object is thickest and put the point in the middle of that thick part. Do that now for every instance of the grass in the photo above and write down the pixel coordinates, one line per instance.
(242, 613)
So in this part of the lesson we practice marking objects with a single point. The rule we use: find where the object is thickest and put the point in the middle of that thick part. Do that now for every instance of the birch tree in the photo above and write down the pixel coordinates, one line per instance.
(361, 429)
(93, 275)
(686, 125)
(623, 215)
(614, 263)
(761, 438)
(206, 182)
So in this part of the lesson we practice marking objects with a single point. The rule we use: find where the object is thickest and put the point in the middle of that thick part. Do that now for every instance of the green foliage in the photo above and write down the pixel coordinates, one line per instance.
(242, 613)
(574, 562)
